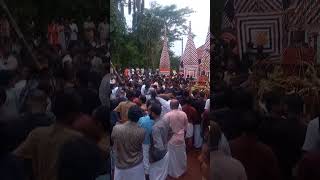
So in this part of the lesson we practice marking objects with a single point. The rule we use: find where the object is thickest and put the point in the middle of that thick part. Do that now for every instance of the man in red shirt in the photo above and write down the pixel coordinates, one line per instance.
(193, 120)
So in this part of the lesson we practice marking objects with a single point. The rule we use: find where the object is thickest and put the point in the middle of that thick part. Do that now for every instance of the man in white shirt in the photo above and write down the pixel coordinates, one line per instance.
(103, 30)
(74, 31)
(312, 139)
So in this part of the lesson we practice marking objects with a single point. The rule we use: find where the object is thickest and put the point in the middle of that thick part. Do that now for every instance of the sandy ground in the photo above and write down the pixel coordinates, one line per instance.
(193, 172)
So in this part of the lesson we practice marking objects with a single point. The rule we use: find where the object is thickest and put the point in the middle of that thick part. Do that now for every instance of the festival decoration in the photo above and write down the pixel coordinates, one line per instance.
(205, 59)
(165, 59)
(190, 58)
(260, 29)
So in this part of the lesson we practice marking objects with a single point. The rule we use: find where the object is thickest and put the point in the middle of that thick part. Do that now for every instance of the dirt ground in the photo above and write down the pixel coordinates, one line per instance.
(193, 172)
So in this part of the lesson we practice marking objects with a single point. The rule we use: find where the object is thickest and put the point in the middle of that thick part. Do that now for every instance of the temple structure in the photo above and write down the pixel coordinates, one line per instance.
(165, 59)
(190, 58)
(205, 58)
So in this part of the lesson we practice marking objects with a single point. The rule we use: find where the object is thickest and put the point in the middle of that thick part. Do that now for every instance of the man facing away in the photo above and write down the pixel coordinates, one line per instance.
(161, 133)
(178, 122)
(124, 107)
(128, 139)
(43, 144)
(146, 123)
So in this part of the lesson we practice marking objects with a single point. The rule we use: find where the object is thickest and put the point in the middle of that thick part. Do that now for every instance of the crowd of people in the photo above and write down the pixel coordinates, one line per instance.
(157, 120)
(53, 124)
(253, 138)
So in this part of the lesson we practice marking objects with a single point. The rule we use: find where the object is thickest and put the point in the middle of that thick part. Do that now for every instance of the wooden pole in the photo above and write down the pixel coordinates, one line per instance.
(19, 33)
(115, 72)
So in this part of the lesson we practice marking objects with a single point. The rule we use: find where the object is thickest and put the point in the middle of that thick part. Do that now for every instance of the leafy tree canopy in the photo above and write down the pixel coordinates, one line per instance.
(146, 34)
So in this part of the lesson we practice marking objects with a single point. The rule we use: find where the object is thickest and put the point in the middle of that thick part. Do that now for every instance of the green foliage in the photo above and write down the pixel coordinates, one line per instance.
(146, 35)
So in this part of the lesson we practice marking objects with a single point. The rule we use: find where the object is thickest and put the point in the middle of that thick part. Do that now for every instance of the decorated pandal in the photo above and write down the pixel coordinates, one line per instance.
(195, 63)
(290, 35)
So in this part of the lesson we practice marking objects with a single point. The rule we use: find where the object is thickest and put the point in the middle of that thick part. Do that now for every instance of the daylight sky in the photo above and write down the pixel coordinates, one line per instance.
(199, 20)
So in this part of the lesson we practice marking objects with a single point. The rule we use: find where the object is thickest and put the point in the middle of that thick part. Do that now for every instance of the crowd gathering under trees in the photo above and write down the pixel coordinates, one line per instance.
(70, 119)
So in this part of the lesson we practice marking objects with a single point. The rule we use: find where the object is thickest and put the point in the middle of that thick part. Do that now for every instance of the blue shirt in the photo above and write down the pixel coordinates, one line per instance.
(146, 123)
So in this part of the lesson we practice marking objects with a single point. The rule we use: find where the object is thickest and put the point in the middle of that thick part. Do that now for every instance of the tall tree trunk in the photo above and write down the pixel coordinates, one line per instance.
(142, 6)
(129, 6)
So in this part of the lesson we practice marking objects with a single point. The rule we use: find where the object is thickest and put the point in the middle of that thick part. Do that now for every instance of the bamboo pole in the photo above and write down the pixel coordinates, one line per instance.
(19, 33)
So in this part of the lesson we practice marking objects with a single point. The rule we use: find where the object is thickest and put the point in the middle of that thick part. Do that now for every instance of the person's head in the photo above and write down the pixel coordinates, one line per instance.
(66, 106)
(102, 116)
(135, 113)
(242, 100)
(187, 100)
(153, 93)
(174, 104)
(202, 95)
(215, 135)
(80, 159)
(82, 77)
(273, 102)
(130, 95)
(154, 110)
(143, 99)
(250, 122)
(294, 105)
(36, 102)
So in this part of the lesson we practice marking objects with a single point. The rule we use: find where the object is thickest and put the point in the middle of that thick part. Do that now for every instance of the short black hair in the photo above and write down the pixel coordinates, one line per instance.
(102, 115)
(130, 94)
(294, 103)
(79, 159)
(65, 103)
(153, 93)
(202, 94)
(271, 99)
(156, 108)
(187, 100)
(250, 122)
(143, 98)
(242, 99)
(135, 113)
(151, 101)
(174, 104)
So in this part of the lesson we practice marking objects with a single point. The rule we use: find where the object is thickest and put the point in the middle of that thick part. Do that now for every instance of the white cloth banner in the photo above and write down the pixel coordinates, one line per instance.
(197, 136)
(146, 163)
(133, 173)
(178, 160)
(159, 170)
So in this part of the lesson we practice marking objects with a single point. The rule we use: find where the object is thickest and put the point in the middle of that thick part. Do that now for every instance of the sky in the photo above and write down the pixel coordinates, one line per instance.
(199, 20)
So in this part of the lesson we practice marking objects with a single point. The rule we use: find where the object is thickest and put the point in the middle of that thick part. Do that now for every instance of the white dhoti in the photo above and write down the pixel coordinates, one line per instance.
(178, 160)
(189, 133)
(159, 170)
(146, 163)
(134, 173)
(197, 136)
